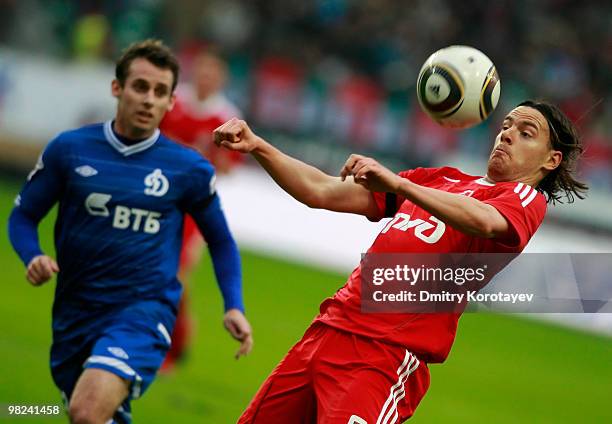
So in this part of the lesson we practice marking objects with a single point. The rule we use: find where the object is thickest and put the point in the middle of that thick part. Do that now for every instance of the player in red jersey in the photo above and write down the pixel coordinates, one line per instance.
(353, 367)
(200, 108)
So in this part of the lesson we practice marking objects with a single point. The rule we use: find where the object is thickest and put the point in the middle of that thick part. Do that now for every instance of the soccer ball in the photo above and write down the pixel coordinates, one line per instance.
(458, 86)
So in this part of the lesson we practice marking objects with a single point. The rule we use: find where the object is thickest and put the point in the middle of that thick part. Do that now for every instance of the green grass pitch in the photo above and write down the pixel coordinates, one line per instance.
(503, 369)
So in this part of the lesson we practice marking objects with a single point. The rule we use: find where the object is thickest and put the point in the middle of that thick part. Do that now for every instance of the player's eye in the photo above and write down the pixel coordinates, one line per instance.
(161, 91)
(140, 86)
(526, 134)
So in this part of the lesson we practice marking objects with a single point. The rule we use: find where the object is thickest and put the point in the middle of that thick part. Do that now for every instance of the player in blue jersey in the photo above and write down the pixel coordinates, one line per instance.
(123, 189)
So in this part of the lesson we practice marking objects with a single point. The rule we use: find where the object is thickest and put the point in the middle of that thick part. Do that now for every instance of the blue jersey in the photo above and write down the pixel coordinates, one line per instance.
(119, 226)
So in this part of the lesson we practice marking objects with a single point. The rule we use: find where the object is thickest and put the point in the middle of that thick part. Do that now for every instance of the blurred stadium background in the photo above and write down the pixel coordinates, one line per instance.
(322, 79)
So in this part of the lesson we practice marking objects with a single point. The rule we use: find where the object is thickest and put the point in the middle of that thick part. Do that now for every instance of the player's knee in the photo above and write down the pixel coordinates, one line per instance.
(86, 412)
(83, 413)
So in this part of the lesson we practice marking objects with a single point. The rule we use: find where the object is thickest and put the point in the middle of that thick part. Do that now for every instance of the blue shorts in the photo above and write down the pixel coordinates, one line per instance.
(129, 345)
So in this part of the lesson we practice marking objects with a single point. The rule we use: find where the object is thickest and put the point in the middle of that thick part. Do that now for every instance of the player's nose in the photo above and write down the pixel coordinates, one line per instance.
(506, 135)
(148, 99)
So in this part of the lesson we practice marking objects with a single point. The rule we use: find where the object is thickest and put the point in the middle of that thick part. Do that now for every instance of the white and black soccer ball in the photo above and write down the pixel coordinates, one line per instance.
(458, 86)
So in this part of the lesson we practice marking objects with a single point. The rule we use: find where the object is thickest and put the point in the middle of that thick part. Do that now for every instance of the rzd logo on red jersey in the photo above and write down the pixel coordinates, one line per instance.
(403, 222)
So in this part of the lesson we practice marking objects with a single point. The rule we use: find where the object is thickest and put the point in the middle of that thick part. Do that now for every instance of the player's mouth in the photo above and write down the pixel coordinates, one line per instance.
(499, 150)
(144, 116)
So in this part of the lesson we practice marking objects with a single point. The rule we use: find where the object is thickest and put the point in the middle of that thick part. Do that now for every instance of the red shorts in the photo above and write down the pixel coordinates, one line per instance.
(193, 244)
(332, 376)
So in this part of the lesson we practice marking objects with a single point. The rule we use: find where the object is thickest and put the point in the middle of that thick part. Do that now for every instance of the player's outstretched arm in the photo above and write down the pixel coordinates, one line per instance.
(468, 215)
(305, 183)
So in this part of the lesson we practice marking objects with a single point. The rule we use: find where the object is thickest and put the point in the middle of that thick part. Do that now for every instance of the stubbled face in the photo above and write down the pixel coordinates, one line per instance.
(143, 100)
(208, 75)
(522, 150)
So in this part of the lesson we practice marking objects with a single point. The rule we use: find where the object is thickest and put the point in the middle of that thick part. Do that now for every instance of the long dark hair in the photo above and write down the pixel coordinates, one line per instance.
(560, 183)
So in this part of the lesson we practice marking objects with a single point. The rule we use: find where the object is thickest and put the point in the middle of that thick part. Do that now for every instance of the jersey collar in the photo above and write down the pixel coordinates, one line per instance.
(122, 148)
(484, 182)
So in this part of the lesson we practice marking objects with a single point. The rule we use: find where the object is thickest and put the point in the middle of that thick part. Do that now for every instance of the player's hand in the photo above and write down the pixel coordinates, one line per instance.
(236, 135)
(370, 174)
(40, 270)
(237, 325)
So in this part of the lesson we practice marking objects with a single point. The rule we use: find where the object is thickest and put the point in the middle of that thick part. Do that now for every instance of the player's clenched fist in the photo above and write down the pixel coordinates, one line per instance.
(236, 135)
(371, 174)
(40, 269)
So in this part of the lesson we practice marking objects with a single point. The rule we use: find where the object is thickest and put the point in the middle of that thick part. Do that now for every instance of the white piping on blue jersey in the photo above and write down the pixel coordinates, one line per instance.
(128, 150)
(164, 332)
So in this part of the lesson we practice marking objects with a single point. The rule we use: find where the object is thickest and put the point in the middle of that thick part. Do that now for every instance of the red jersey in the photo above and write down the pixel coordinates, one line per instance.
(431, 335)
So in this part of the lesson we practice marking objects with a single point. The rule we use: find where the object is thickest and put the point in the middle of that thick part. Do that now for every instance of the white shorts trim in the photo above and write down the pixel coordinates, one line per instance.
(120, 366)
(388, 413)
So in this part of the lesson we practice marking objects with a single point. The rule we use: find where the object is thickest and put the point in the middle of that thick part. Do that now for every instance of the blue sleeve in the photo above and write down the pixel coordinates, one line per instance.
(23, 234)
(40, 192)
(204, 206)
(223, 251)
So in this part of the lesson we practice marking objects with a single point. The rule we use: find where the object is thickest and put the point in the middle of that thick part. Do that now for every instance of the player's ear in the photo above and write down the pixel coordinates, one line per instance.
(115, 88)
(172, 101)
(554, 160)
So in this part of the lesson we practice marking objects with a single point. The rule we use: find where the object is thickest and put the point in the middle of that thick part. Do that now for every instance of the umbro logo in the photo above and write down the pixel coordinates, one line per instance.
(86, 171)
(118, 352)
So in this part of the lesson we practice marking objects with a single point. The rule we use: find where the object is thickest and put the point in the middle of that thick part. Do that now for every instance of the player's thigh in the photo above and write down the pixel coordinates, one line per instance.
(363, 381)
(282, 399)
(369, 397)
(287, 395)
(99, 393)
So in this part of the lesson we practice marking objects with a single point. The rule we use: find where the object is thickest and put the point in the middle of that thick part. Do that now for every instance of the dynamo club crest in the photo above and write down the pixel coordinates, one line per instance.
(156, 184)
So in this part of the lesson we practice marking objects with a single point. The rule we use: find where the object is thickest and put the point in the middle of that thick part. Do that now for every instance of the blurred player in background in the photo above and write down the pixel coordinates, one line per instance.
(200, 107)
(123, 189)
(352, 367)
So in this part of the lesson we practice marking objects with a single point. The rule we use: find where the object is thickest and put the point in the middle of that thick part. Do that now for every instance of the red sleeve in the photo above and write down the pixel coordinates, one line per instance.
(389, 203)
(524, 209)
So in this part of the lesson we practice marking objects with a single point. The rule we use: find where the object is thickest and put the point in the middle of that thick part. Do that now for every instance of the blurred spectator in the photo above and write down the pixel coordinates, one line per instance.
(90, 36)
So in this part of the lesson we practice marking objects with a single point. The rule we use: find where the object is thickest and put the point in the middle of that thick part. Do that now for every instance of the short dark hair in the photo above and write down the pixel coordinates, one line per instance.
(560, 182)
(155, 51)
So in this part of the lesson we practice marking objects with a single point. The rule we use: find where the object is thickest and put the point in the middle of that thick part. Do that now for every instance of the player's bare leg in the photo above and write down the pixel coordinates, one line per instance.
(97, 396)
